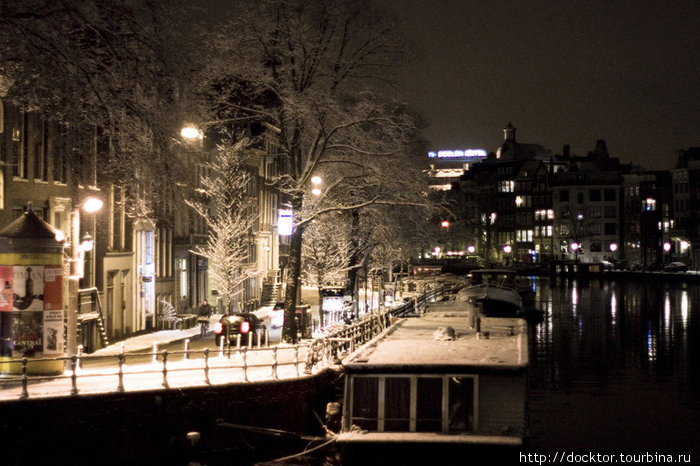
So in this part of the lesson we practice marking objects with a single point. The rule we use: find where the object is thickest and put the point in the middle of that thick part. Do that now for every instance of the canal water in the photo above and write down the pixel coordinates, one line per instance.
(615, 367)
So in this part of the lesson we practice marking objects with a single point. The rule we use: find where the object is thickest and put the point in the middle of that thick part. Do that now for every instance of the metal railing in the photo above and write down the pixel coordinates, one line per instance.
(154, 369)
(151, 370)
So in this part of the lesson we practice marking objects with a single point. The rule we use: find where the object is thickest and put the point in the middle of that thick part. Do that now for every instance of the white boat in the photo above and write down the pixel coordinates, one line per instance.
(435, 384)
(496, 290)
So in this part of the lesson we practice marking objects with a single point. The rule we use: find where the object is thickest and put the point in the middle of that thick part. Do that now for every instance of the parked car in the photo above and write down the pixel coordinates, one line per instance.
(675, 267)
(277, 315)
(245, 324)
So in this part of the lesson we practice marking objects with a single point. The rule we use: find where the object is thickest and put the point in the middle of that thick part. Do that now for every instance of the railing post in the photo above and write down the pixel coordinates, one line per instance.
(74, 376)
(296, 358)
(245, 364)
(187, 348)
(155, 353)
(274, 363)
(165, 369)
(206, 366)
(25, 393)
(221, 347)
(80, 353)
(120, 385)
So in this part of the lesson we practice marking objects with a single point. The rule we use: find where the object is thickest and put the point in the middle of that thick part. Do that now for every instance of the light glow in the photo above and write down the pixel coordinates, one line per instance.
(92, 204)
(191, 133)
(285, 222)
(447, 154)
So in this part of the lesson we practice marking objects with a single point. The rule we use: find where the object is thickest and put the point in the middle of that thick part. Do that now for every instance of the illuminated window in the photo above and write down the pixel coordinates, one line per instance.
(506, 186)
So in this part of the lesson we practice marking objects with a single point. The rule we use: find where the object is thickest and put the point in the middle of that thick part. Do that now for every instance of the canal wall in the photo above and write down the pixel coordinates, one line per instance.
(151, 427)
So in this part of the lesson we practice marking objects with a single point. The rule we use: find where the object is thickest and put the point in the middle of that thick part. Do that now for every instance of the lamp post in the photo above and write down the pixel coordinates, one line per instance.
(507, 249)
(76, 272)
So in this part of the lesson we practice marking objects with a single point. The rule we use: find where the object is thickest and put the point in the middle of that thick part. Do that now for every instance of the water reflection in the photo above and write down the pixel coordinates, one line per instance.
(621, 352)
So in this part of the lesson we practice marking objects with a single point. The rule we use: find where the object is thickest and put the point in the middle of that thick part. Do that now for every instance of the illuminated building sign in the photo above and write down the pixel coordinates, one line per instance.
(451, 154)
(284, 222)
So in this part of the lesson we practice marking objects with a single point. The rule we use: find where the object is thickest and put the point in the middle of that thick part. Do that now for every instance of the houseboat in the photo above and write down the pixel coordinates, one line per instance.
(447, 383)
(496, 290)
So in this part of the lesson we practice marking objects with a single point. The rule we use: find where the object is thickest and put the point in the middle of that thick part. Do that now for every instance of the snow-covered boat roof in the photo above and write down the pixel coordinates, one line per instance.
(416, 343)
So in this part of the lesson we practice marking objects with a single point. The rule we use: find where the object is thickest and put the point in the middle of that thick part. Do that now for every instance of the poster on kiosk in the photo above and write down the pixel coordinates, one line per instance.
(33, 294)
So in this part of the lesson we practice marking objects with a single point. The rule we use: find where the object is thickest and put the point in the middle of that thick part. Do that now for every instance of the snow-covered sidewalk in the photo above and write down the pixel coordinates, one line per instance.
(147, 340)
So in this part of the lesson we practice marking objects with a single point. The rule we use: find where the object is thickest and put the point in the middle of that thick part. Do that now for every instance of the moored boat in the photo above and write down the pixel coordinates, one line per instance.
(496, 290)
(444, 381)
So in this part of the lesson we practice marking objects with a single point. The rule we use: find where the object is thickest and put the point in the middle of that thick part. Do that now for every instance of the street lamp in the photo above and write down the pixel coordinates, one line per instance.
(575, 247)
(77, 267)
(507, 249)
(316, 182)
(191, 133)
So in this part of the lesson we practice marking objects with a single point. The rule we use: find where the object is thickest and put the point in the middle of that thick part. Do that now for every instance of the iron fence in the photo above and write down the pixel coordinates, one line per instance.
(156, 369)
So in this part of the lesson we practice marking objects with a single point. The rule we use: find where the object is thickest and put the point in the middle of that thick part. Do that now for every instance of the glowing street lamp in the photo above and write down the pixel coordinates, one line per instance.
(667, 246)
(613, 247)
(445, 224)
(471, 249)
(191, 133)
(316, 182)
(77, 267)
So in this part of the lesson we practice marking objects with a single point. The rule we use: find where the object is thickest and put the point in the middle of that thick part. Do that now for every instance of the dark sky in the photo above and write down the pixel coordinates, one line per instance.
(562, 72)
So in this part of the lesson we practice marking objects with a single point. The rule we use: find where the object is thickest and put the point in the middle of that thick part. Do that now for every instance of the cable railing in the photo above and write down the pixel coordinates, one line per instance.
(134, 371)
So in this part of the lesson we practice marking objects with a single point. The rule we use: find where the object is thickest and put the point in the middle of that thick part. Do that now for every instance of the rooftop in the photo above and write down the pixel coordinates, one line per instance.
(425, 341)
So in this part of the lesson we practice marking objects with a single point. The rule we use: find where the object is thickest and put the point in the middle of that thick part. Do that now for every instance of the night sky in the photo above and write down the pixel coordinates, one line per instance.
(562, 72)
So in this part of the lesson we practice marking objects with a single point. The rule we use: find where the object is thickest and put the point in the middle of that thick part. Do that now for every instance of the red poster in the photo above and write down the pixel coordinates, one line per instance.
(52, 288)
(6, 278)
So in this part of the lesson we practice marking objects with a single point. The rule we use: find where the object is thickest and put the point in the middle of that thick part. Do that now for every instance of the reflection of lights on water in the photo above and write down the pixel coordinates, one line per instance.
(613, 306)
(574, 298)
(651, 346)
(684, 309)
(667, 313)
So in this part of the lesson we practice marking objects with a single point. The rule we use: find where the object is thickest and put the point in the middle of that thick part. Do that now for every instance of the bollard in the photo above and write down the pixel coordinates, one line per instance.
(187, 348)
(206, 366)
(25, 393)
(155, 353)
(165, 369)
(478, 325)
(74, 376)
(120, 385)
(80, 353)
(267, 337)
(221, 347)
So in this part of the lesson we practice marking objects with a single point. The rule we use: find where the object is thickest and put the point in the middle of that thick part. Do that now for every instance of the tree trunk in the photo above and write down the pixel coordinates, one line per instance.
(353, 286)
(320, 307)
(289, 330)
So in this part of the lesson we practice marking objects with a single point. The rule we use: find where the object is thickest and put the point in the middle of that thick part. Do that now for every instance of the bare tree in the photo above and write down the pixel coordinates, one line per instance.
(308, 70)
(229, 213)
(325, 253)
(117, 68)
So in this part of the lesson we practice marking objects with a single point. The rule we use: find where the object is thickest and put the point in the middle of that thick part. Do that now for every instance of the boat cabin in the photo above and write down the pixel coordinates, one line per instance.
(443, 378)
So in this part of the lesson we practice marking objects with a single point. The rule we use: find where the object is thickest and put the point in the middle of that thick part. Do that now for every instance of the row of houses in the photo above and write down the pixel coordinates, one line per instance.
(141, 257)
(525, 204)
